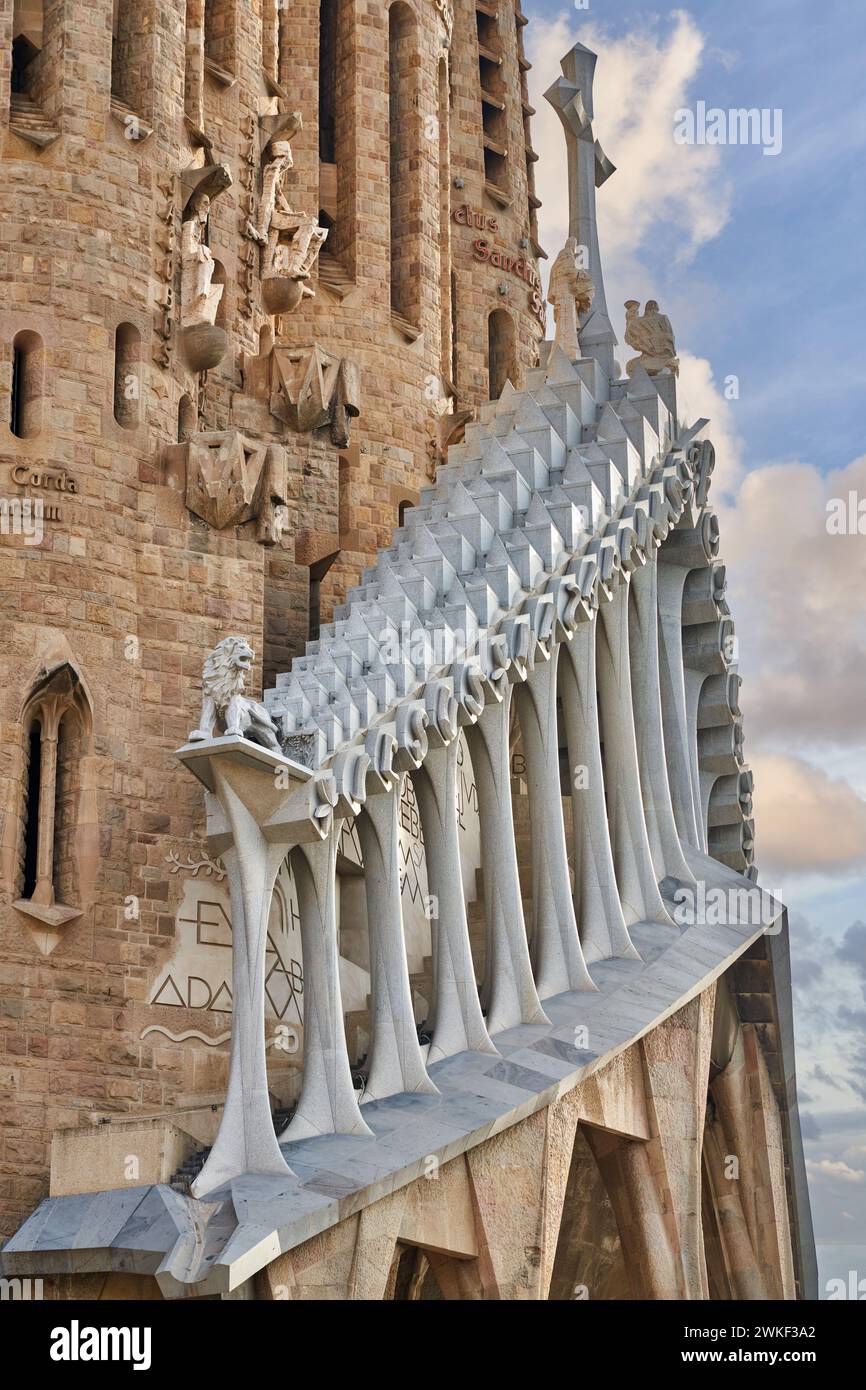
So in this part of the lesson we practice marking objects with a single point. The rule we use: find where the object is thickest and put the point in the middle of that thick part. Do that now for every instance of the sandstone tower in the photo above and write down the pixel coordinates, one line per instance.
(264, 265)
(414, 154)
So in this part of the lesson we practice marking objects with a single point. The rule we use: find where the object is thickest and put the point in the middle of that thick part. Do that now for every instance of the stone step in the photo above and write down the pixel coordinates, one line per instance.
(27, 120)
(333, 275)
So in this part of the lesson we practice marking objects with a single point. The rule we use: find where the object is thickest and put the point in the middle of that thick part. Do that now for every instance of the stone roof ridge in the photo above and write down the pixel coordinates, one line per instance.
(538, 494)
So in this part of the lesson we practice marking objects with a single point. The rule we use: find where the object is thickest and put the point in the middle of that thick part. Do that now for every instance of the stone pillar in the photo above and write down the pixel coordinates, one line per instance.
(671, 579)
(601, 925)
(557, 957)
(665, 847)
(328, 1103)
(632, 857)
(246, 1142)
(509, 988)
(457, 1021)
(396, 1063)
(686, 549)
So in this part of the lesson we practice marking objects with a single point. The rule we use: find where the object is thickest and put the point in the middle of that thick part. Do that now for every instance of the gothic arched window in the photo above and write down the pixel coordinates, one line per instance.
(57, 730)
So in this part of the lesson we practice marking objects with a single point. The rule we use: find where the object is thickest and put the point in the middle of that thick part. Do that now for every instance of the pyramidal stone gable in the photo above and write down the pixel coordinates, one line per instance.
(548, 495)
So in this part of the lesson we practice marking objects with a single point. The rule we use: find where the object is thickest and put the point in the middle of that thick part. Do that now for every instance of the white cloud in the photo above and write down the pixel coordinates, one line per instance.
(796, 594)
(806, 821)
(830, 1168)
(660, 189)
(698, 395)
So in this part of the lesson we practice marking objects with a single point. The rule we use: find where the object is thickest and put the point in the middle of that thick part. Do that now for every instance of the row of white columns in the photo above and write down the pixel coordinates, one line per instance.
(659, 706)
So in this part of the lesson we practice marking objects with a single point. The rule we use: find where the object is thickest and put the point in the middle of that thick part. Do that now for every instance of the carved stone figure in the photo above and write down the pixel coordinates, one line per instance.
(651, 334)
(571, 293)
(223, 700)
(290, 240)
(204, 343)
(199, 296)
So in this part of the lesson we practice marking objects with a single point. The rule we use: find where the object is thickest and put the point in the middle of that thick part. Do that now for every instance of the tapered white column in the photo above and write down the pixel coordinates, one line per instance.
(509, 989)
(396, 1063)
(633, 862)
(601, 924)
(457, 1021)
(672, 685)
(246, 1142)
(686, 549)
(664, 839)
(705, 648)
(328, 1102)
(556, 952)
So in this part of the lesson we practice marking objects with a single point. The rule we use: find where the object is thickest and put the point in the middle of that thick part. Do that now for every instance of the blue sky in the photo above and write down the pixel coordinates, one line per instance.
(758, 260)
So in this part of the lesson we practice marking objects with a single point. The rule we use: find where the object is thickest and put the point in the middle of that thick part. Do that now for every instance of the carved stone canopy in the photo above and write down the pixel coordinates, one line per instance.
(204, 181)
(311, 388)
(231, 479)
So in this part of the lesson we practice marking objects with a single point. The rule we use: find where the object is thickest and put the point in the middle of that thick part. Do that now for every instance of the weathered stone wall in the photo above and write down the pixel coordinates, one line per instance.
(127, 585)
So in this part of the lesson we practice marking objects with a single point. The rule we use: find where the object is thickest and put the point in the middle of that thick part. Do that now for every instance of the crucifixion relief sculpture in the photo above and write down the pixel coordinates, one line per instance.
(588, 168)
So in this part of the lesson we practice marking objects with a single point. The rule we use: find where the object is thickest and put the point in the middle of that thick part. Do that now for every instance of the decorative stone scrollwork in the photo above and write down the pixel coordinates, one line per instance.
(607, 554)
(702, 458)
(496, 663)
(380, 746)
(627, 537)
(469, 691)
(323, 802)
(350, 770)
(164, 321)
(446, 14)
(586, 573)
(519, 636)
(542, 613)
(412, 741)
(441, 707)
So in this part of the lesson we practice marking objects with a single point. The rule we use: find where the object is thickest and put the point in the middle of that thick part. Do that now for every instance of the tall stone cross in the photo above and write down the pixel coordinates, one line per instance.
(588, 167)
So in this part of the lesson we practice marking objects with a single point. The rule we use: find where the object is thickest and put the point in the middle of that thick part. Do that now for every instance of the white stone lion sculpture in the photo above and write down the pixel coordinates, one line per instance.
(224, 702)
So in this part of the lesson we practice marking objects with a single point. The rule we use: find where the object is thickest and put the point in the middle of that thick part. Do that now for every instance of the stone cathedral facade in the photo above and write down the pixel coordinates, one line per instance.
(393, 966)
